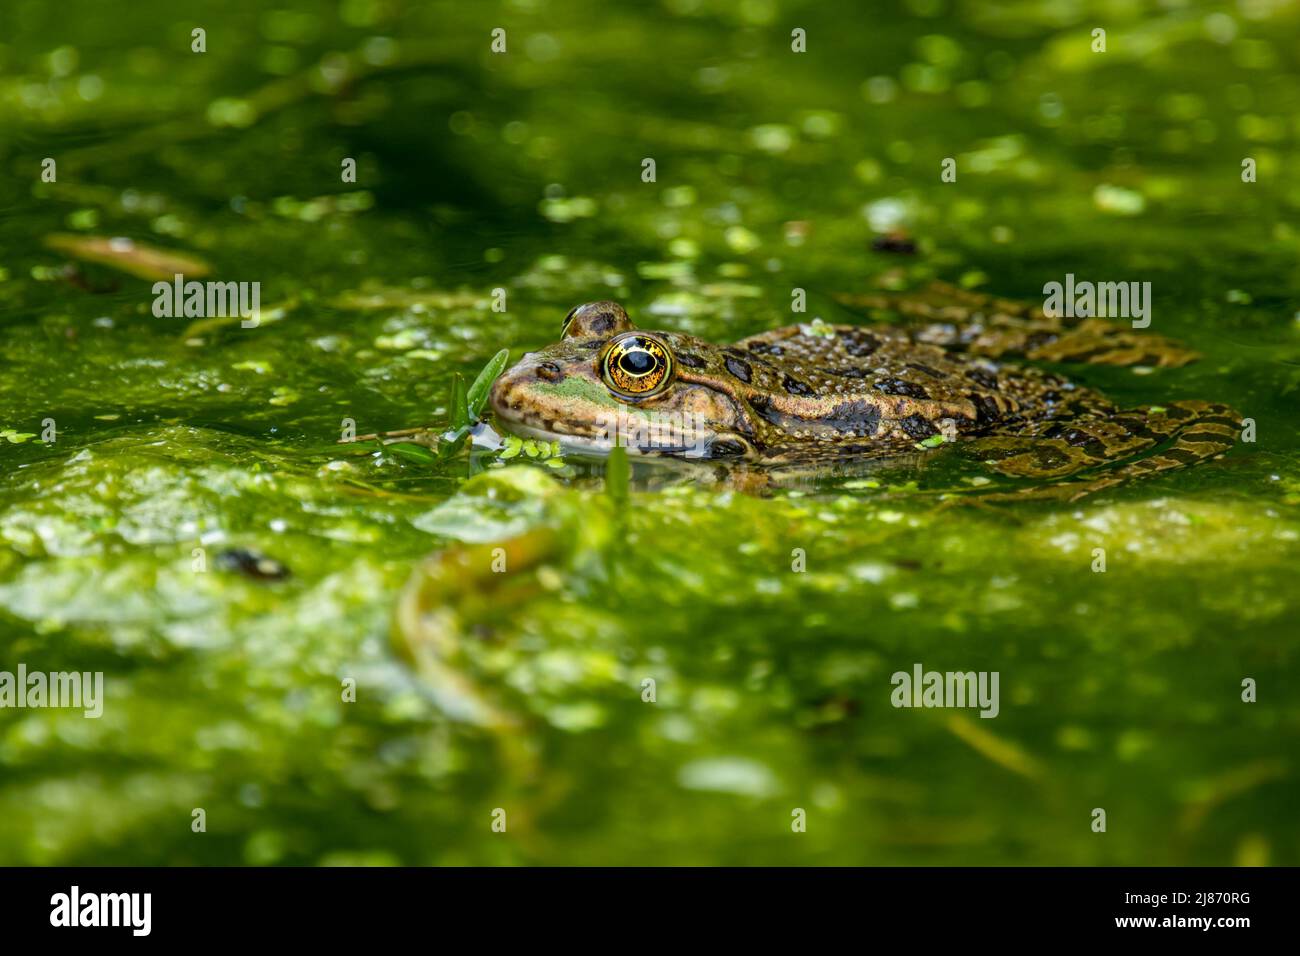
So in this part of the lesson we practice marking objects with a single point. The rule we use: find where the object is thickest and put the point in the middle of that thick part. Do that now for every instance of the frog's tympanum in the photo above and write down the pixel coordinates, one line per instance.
(815, 394)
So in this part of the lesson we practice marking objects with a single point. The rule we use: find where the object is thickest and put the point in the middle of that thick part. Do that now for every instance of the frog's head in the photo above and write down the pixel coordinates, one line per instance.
(606, 382)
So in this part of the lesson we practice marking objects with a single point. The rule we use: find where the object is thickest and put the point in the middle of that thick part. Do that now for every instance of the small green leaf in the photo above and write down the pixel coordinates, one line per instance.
(934, 441)
(1157, 410)
(413, 452)
(514, 445)
(530, 448)
(478, 392)
(459, 410)
(618, 474)
(452, 442)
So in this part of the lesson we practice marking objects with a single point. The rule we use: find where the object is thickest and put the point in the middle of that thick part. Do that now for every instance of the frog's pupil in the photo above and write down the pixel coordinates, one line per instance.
(636, 363)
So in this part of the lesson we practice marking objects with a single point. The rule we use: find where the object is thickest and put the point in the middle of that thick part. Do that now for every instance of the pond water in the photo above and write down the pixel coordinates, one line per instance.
(176, 441)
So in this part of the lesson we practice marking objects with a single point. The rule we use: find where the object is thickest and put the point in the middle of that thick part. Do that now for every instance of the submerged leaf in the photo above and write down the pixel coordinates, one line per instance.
(129, 256)
(412, 451)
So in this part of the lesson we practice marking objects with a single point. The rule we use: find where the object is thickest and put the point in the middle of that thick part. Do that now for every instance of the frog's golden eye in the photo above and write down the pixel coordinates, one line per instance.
(636, 366)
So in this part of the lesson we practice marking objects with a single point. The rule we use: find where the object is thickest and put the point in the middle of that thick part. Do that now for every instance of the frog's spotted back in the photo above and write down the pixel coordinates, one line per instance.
(981, 324)
(812, 394)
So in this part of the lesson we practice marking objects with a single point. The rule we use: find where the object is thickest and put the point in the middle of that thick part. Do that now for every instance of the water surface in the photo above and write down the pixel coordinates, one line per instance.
(774, 170)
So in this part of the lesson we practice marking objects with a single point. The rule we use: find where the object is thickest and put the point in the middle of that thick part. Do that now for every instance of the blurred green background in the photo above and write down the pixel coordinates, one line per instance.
(522, 171)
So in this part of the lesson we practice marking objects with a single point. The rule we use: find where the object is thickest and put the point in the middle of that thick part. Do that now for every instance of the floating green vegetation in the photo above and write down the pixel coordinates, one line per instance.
(640, 660)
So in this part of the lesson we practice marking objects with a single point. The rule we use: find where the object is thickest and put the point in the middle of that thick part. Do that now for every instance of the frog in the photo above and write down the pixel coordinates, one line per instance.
(955, 367)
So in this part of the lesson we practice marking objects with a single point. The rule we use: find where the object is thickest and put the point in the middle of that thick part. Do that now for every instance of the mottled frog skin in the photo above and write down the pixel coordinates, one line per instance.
(814, 394)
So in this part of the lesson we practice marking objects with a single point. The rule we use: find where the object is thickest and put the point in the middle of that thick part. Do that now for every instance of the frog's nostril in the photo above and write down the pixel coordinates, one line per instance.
(549, 371)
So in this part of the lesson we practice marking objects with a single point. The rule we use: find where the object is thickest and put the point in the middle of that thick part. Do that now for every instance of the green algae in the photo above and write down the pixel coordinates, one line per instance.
(176, 441)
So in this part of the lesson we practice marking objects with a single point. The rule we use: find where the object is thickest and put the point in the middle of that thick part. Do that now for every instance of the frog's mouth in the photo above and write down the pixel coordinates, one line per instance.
(639, 434)
(600, 445)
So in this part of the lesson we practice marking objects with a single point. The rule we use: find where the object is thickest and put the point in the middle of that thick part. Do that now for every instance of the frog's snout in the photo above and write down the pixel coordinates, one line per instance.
(511, 388)
(505, 391)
